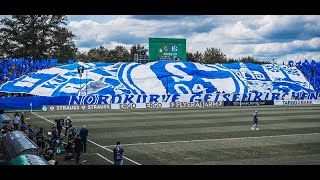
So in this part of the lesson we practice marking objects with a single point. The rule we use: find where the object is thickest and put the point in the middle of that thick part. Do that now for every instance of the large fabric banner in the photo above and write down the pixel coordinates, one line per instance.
(160, 78)
(38, 102)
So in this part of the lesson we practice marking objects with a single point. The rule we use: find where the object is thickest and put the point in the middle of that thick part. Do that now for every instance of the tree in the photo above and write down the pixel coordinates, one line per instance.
(134, 50)
(250, 59)
(82, 56)
(100, 54)
(119, 54)
(231, 60)
(247, 59)
(198, 57)
(214, 55)
(41, 36)
(190, 57)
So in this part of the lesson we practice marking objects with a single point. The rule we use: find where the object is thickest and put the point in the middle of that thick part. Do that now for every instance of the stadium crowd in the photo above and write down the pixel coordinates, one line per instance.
(311, 71)
(11, 69)
(74, 144)
(7, 95)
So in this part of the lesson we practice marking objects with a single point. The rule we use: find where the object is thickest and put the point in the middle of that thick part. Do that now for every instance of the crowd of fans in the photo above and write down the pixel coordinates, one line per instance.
(7, 95)
(48, 142)
(311, 71)
(11, 69)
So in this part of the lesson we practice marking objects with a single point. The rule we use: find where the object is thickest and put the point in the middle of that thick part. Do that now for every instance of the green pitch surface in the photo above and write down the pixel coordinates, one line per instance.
(287, 135)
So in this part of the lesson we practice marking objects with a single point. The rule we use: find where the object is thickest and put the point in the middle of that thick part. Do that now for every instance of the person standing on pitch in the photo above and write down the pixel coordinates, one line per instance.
(255, 121)
(22, 118)
(59, 128)
(77, 147)
(16, 120)
(31, 133)
(68, 122)
(84, 137)
(117, 154)
(40, 140)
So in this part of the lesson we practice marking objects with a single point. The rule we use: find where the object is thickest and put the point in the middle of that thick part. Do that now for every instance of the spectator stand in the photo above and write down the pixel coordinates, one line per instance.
(311, 71)
(12, 68)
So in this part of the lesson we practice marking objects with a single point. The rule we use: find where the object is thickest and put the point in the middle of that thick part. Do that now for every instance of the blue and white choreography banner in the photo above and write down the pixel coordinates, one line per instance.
(160, 78)
(38, 102)
(123, 99)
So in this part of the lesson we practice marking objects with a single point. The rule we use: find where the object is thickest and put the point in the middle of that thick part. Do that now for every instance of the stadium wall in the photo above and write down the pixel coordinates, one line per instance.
(40, 101)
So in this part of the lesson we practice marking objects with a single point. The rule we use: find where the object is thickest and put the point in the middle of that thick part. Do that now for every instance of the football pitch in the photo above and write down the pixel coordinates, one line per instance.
(197, 136)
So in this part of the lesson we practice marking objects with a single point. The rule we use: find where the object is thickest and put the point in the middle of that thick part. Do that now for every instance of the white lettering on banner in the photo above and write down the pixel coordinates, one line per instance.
(195, 104)
(67, 108)
(181, 88)
(128, 106)
(102, 106)
(293, 102)
(237, 103)
(79, 107)
(153, 105)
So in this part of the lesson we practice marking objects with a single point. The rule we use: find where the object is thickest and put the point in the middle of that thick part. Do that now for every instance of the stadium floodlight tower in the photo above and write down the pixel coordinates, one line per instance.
(80, 71)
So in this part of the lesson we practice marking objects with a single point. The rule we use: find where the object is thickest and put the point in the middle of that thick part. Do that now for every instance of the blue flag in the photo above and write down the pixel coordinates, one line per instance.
(5, 70)
(70, 61)
(13, 77)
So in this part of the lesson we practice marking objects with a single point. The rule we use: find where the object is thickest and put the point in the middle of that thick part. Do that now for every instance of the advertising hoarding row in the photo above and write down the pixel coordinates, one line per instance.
(128, 106)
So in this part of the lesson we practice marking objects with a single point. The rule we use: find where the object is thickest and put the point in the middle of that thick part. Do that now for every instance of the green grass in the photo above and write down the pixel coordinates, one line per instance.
(288, 134)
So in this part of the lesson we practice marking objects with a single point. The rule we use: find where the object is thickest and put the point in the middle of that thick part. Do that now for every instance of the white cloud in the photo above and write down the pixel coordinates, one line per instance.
(83, 49)
(263, 37)
(299, 56)
(89, 30)
(113, 44)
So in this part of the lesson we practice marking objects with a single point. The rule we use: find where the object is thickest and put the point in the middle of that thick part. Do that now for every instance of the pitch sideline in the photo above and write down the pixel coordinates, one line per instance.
(91, 141)
(206, 140)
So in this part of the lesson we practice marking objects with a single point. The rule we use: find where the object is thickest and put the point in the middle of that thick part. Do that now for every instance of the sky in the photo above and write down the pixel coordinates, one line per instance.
(264, 37)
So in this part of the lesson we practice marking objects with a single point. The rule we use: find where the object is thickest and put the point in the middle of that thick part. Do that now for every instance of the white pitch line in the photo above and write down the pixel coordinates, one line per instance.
(112, 152)
(91, 141)
(100, 156)
(138, 112)
(204, 140)
(104, 158)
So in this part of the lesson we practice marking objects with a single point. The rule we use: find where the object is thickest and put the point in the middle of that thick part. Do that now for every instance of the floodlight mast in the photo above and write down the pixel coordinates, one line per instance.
(80, 71)
(86, 82)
